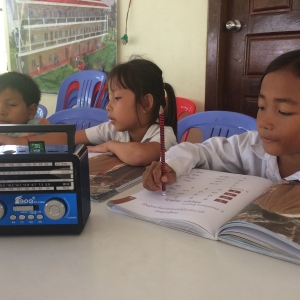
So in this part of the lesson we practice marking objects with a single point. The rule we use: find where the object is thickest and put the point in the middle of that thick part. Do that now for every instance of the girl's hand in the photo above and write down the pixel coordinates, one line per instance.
(102, 148)
(152, 178)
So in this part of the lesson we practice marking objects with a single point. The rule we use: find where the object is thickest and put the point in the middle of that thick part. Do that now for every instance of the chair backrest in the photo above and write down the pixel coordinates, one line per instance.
(216, 123)
(41, 112)
(184, 105)
(82, 89)
(82, 117)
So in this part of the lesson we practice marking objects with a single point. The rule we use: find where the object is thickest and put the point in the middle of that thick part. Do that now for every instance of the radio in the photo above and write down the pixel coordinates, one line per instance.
(44, 189)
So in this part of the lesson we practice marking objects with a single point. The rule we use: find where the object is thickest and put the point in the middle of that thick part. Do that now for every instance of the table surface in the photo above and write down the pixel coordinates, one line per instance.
(118, 257)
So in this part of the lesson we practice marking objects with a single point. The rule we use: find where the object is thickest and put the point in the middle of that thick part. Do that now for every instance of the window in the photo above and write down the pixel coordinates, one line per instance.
(46, 36)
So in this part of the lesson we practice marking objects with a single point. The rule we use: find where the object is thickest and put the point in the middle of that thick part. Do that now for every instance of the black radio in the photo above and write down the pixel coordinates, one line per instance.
(44, 189)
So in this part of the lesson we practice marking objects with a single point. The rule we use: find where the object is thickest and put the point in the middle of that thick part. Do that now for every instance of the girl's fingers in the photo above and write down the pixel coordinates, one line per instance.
(151, 177)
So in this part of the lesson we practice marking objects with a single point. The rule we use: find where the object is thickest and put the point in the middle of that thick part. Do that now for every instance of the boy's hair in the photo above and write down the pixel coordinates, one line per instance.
(287, 61)
(143, 77)
(23, 84)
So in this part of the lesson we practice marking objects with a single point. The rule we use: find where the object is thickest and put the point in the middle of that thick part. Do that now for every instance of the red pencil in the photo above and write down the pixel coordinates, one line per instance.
(162, 147)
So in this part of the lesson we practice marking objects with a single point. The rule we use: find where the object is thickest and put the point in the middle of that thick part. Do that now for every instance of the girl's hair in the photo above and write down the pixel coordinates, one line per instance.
(23, 84)
(287, 61)
(143, 77)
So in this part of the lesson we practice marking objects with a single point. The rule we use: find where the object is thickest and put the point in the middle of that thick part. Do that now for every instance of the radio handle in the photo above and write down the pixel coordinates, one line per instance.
(69, 129)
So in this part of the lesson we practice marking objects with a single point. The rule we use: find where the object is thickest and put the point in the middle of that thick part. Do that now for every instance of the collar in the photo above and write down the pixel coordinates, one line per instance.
(271, 162)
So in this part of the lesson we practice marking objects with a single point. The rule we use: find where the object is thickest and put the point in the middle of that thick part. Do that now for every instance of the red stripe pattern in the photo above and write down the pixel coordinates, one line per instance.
(162, 147)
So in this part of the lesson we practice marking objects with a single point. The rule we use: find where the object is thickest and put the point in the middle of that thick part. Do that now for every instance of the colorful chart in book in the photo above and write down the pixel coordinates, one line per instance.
(200, 187)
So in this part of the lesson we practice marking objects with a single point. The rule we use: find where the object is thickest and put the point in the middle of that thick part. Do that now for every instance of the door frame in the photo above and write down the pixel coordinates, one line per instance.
(216, 51)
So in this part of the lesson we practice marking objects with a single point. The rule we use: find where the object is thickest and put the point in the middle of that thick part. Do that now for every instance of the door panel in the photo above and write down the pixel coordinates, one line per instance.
(237, 60)
(267, 6)
(271, 46)
(260, 50)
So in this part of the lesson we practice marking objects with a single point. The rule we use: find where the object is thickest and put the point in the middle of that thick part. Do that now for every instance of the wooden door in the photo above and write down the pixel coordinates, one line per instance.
(236, 60)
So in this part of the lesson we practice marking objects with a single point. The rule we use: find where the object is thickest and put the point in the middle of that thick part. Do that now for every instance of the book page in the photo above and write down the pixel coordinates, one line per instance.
(108, 174)
(276, 212)
(205, 198)
(93, 154)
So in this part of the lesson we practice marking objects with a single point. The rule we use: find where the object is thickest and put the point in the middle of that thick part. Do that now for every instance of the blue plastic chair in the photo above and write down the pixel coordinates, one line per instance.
(83, 89)
(41, 112)
(82, 117)
(216, 123)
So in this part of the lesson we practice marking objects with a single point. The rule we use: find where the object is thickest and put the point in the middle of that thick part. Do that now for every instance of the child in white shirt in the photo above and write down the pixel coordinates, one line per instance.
(273, 151)
(136, 92)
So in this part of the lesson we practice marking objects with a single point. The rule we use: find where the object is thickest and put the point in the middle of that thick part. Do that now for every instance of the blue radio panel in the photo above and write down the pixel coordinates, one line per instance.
(44, 189)
(38, 209)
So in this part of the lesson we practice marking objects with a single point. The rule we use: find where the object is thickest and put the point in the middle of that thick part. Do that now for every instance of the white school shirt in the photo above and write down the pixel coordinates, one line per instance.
(106, 132)
(241, 154)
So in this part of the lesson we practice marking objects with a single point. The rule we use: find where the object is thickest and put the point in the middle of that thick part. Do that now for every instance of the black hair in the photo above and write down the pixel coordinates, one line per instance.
(143, 77)
(287, 61)
(23, 84)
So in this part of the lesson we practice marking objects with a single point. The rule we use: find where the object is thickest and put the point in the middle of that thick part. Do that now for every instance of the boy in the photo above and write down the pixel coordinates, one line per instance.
(19, 99)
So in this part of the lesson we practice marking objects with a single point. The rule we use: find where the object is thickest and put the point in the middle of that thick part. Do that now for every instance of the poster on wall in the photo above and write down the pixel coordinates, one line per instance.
(52, 39)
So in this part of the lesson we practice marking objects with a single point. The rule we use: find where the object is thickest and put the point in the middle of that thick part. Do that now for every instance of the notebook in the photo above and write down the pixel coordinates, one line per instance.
(110, 176)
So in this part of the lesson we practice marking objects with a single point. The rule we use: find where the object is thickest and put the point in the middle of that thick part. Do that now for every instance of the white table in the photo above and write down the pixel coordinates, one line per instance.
(118, 257)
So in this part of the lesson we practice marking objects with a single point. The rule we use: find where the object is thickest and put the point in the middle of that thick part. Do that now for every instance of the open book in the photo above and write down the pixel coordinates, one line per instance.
(110, 176)
(246, 211)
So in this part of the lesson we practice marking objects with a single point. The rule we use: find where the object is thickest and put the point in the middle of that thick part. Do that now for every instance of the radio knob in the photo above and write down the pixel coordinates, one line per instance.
(55, 209)
(2, 210)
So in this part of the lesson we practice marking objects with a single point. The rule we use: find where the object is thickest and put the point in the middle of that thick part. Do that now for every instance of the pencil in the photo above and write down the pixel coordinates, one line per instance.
(162, 147)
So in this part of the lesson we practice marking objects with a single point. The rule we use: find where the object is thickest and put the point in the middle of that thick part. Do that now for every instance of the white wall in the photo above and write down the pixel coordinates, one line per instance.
(173, 35)
(170, 33)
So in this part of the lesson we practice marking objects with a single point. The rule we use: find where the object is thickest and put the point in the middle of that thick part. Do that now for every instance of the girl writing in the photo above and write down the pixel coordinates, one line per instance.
(273, 151)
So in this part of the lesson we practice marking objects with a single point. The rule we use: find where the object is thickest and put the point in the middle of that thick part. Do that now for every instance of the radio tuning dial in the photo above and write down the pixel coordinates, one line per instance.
(2, 210)
(55, 209)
